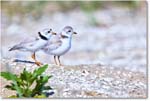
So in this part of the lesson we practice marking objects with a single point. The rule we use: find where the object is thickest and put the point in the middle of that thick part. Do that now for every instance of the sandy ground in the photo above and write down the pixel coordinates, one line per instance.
(86, 81)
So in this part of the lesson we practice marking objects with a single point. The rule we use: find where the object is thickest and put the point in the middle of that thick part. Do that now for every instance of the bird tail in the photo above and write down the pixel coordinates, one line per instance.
(16, 47)
(11, 49)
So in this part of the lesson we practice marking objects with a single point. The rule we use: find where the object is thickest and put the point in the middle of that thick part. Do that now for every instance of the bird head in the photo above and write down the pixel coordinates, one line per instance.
(67, 32)
(46, 34)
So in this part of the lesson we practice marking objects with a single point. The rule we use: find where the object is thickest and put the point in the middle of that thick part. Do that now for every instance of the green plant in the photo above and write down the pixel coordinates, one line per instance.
(28, 84)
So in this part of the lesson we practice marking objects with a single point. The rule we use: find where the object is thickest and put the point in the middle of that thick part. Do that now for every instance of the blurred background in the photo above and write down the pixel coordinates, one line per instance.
(109, 32)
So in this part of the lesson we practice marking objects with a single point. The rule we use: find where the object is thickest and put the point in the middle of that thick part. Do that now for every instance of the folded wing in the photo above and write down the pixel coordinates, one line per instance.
(53, 44)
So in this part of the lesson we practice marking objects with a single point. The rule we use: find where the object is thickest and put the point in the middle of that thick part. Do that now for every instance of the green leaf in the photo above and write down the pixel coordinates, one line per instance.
(18, 89)
(13, 96)
(45, 79)
(23, 75)
(37, 73)
(27, 93)
(40, 96)
(10, 87)
(40, 70)
(28, 84)
(50, 76)
(47, 88)
(26, 77)
(19, 81)
(8, 76)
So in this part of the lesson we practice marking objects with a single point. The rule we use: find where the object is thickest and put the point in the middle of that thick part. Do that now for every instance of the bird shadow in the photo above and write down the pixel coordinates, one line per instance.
(23, 61)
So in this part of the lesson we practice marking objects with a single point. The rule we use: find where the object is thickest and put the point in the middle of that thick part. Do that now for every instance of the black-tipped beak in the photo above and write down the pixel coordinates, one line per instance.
(54, 33)
(74, 33)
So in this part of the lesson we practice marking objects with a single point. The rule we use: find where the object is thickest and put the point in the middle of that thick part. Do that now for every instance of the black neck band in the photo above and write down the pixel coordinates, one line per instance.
(42, 37)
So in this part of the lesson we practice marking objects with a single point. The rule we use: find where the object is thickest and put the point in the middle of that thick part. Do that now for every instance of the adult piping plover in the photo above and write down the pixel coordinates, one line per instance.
(34, 45)
(60, 44)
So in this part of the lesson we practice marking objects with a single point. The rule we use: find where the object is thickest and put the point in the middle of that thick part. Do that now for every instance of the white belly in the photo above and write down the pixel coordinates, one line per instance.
(62, 49)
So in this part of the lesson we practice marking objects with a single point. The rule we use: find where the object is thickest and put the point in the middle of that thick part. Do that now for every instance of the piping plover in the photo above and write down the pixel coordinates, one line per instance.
(34, 45)
(60, 44)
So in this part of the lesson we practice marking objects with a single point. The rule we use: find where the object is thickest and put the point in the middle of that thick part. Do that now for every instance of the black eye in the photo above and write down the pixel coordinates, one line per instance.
(69, 31)
(48, 31)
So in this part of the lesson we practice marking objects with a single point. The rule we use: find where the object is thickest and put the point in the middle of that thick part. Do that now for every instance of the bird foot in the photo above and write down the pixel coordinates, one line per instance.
(38, 63)
(59, 64)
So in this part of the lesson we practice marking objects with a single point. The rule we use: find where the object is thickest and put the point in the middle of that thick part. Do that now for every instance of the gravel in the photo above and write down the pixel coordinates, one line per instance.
(86, 81)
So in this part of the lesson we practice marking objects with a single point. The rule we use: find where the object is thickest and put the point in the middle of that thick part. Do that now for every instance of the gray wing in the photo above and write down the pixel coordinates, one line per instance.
(53, 44)
(24, 43)
(29, 40)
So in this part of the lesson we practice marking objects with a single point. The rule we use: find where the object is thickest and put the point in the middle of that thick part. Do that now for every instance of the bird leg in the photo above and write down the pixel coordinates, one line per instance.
(36, 62)
(59, 64)
(55, 59)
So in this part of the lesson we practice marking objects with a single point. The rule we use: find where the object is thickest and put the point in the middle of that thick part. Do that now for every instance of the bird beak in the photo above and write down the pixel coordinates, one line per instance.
(53, 33)
(74, 33)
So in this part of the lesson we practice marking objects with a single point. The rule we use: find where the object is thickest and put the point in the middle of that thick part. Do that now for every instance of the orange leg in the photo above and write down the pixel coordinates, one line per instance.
(36, 62)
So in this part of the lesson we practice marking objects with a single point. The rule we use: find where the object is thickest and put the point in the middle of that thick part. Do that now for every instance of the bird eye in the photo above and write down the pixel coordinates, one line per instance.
(48, 31)
(69, 31)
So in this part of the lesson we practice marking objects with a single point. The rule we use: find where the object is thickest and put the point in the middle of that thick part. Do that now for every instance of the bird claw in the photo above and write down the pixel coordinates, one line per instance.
(59, 65)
